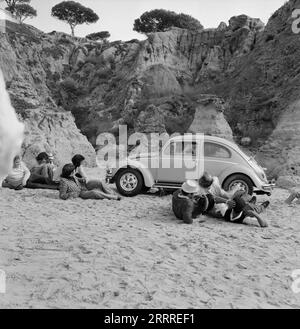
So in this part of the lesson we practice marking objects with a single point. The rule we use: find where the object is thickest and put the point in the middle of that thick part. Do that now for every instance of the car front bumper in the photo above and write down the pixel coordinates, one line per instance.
(266, 188)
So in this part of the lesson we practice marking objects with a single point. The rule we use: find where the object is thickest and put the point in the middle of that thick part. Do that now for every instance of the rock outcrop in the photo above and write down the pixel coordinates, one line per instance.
(209, 118)
(53, 132)
(33, 63)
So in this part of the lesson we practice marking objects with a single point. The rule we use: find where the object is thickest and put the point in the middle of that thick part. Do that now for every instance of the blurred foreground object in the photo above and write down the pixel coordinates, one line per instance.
(11, 131)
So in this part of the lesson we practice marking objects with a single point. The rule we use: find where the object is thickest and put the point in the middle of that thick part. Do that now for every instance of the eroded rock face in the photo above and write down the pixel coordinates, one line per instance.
(33, 64)
(209, 118)
(54, 132)
(281, 153)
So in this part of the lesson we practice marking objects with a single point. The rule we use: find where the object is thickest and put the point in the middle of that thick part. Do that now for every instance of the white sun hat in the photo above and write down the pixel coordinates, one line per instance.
(190, 186)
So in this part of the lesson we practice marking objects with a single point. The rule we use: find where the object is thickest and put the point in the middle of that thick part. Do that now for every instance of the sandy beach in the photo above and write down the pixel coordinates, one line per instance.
(134, 254)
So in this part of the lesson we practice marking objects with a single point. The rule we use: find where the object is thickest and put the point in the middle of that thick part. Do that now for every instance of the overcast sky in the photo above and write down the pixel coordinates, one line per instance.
(117, 16)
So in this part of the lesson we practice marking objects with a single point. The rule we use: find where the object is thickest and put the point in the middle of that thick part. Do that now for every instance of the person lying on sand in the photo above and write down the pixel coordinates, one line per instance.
(74, 187)
(244, 208)
(294, 195)
(42, 174)
(186, 206)
(18, 176)
(233, 206)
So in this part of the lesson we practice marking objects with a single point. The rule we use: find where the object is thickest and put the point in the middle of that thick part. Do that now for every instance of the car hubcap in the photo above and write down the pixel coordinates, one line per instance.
(239, 185)
(128, 182)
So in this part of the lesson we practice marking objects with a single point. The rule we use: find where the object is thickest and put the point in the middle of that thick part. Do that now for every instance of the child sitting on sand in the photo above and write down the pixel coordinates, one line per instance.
(18, 176)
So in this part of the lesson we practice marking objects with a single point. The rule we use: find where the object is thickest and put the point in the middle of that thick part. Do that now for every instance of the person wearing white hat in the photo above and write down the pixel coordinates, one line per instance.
(185, 205)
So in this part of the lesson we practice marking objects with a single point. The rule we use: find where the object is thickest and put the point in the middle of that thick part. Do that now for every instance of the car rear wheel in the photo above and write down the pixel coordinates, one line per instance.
(242, 181)
(129, 182)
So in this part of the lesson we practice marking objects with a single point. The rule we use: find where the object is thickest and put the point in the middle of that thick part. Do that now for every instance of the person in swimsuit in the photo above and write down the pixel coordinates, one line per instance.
(42, 174)
(72, 186)
(78, 162)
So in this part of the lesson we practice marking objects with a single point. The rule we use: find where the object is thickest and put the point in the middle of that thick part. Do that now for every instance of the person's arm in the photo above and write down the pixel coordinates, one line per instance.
(82, 173)
(187, 212)
(63, 190)
(262, 222)
(26, 174)
(230, 203)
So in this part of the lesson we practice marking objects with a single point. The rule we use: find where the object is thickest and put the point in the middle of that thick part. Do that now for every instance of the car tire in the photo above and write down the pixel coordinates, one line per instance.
(129, 182)
(239, 178)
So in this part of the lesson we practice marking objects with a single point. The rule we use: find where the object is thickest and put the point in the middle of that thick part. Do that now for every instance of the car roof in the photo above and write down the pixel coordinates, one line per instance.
(207, 138)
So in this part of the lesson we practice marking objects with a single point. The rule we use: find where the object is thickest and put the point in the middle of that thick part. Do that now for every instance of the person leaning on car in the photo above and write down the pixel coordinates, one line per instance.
(187, 203)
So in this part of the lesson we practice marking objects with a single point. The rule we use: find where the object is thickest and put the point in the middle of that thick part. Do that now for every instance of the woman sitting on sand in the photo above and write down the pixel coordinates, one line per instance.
(42, 175)
(74, 187)
(92, 184)
(18, 176)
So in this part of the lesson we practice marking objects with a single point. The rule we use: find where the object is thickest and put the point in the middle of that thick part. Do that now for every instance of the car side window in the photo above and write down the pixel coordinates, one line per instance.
(213, 150)
(190, 148)
(180, 148)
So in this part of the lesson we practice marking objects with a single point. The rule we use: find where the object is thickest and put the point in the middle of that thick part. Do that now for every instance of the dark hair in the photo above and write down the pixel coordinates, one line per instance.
(42, 156)
(240, 204)
(77, 159)
(67, 170)
(206, 180)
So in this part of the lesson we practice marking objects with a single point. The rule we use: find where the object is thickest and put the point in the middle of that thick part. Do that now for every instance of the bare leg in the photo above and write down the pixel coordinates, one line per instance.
(16, 186)
(99, 185)
(97, 195)
(7, 185)
(292, 197)
(262, 222)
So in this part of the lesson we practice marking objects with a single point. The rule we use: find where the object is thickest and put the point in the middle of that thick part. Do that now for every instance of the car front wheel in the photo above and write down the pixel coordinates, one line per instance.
(129, 182)
(242, 181)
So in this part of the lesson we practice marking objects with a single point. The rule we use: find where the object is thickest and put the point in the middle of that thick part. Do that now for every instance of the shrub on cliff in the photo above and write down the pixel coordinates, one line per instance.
(99, 36)
(159, 20)
(74, 14)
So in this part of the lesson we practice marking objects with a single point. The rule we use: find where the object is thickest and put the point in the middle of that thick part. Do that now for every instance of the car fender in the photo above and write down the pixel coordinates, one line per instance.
(148, 178)
(240, 169)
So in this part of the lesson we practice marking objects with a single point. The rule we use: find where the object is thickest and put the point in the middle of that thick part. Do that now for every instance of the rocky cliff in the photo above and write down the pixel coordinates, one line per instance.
(172, 82)
(33, 63)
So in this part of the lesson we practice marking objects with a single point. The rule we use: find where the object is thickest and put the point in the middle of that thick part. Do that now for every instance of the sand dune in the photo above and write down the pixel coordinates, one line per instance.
(134, 254)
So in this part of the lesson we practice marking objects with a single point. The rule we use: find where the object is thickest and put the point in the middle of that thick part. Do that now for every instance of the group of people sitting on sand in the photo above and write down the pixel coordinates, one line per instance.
(70, 179)
(206, 197)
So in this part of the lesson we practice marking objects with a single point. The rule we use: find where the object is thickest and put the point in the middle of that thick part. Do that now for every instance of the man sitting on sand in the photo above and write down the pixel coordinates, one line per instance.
(187, 204)
(233, 206)
(18, 176)
(74, 187)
